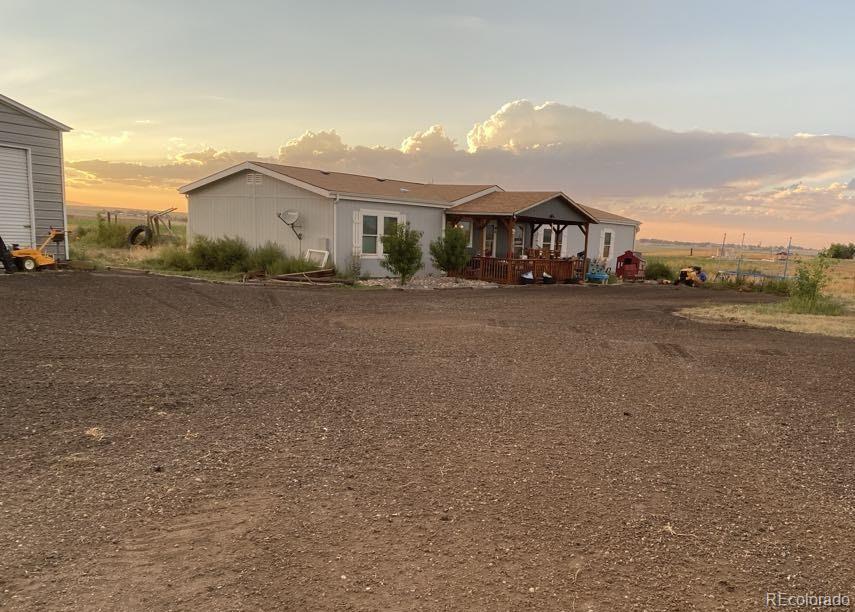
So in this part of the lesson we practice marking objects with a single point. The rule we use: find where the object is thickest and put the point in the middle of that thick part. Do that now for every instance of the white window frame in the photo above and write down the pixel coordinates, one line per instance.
(380, 214)
(542, 231)
(603, 243)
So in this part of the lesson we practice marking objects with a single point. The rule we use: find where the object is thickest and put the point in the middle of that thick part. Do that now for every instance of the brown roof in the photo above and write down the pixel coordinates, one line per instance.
(505, 202)
(604, 215)
(342, 182)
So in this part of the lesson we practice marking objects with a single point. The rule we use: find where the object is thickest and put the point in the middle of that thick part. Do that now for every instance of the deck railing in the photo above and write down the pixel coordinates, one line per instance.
(509, 271)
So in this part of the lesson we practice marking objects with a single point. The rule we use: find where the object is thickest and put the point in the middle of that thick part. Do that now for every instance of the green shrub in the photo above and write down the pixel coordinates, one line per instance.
(172, 258)
(658, 270)
(403, 252)
(264, 258)
(103, 234)
(289, 265)
(223, 254)
(449, 252)
(838, 250)
(779, 286)
(806, 295)
(811, 278)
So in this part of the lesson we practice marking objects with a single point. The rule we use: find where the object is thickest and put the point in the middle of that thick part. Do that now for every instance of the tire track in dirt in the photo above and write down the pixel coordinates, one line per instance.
(181, 552)
(673, 350)
(211, 300)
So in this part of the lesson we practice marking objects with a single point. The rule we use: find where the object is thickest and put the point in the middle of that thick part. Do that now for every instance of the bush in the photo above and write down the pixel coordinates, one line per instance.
(223, 254)
(289, 265)
(403, 252)
(780, 286)
(806, 295)
(103, 234)
(657, 270)
(263, 258)
(448, 252)
(839, 251)
(172, 258)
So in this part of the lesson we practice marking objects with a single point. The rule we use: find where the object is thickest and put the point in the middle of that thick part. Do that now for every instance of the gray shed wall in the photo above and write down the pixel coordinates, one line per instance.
(45, 145)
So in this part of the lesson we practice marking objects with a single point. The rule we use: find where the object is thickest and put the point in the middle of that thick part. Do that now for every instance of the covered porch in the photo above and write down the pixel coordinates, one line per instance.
(514, 234)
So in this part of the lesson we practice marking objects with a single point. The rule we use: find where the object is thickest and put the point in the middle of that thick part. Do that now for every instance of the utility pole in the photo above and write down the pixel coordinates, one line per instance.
(721, 251)
(787, 258)
(739, 261)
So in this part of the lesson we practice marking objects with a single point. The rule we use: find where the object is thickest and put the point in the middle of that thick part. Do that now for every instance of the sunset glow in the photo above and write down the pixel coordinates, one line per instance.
(753, 135)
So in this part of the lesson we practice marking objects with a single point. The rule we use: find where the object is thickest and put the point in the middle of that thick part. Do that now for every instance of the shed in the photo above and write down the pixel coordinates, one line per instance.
(630, 266)
(32, 182)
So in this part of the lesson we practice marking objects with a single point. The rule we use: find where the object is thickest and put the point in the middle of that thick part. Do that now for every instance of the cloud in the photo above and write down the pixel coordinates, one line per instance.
(633, 168)
(432, 141)
(88, 138)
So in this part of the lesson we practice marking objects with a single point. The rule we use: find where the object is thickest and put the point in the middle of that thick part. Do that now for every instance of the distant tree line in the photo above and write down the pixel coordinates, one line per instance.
(838, 250)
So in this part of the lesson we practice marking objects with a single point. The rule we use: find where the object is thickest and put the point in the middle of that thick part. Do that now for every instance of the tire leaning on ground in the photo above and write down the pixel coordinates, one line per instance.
(140, 236)
(26, 264)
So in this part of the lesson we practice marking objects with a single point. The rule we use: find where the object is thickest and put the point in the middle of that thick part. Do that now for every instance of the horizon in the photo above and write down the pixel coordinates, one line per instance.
(664, 115)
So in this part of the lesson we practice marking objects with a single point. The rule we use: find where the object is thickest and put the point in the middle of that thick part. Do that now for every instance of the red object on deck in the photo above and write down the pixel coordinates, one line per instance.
(630, 266)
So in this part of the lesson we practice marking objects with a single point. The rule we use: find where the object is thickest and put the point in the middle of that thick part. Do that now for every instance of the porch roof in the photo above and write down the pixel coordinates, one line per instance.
(523, 204)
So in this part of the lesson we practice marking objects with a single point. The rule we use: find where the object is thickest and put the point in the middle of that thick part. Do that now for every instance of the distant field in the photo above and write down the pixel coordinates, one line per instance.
(843, 272)
(128, 215)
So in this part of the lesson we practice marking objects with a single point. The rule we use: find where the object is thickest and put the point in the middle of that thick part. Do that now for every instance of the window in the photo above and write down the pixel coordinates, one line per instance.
(546, 238)
(372, 229)
(607, 244)
(466, 226)
(519, 240)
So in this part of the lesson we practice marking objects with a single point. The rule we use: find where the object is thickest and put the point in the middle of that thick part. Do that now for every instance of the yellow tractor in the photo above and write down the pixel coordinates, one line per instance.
(28, 260)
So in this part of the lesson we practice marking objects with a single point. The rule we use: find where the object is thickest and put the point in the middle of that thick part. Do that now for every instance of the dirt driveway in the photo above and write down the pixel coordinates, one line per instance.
(173, 445)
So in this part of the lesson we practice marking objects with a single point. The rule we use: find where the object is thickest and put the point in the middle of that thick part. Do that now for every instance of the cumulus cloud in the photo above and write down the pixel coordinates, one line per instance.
(633, 168)
(432, 141)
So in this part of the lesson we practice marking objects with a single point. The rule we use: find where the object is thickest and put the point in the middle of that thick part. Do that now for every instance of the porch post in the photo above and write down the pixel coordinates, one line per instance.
(511, 225)
(585, 231)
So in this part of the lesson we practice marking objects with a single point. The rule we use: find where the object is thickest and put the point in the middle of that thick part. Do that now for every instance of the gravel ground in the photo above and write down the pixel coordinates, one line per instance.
(428, 282)
(175, 445)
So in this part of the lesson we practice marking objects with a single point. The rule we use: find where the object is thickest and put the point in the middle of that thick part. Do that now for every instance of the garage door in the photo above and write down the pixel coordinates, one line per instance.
(16, 220)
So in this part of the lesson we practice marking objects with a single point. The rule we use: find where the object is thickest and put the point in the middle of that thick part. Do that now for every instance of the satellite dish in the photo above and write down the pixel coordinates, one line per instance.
(290, 217)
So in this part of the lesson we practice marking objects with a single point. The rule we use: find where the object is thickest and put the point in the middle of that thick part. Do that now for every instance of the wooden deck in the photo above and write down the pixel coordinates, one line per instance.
(508, 271)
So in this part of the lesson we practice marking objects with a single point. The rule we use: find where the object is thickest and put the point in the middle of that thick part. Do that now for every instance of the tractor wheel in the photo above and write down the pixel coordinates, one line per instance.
(26, 264)
(140, 236)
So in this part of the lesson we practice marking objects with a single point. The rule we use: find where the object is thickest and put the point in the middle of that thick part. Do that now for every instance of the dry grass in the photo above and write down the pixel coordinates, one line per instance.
(842, 272)
(762, 315)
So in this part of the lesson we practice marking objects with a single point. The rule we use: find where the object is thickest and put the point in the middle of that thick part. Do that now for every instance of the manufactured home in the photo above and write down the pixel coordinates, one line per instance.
(32, 181)
(346, 216)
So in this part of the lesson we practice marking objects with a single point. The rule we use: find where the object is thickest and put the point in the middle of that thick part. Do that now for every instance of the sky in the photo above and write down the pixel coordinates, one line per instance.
(696, 118)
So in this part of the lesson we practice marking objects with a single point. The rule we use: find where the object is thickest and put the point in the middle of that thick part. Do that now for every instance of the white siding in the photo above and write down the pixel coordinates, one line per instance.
(238, 208)
(44, 143)
(428, 220)
(623, 240)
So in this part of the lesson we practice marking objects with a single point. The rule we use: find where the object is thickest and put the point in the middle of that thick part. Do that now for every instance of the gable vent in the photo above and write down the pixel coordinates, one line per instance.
(253, 178)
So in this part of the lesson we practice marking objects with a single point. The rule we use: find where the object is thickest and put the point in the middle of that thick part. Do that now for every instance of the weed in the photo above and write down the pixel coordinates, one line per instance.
(658, 270)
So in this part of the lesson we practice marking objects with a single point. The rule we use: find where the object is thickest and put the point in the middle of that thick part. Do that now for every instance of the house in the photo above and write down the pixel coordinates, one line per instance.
(347, 215)
(32, 182)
